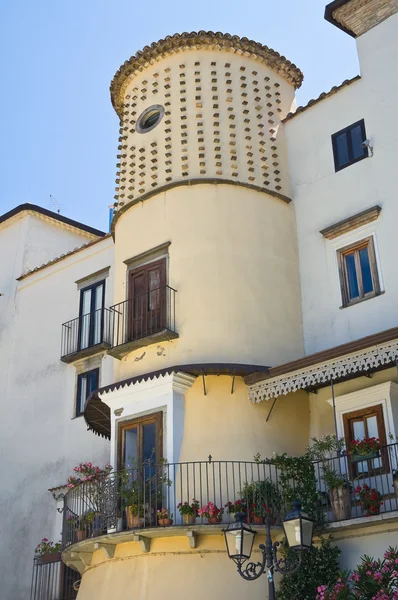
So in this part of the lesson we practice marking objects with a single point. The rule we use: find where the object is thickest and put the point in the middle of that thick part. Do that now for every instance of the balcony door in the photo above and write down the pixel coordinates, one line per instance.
(140, 441)
(147, 300)
(91, 315)
(362, 424)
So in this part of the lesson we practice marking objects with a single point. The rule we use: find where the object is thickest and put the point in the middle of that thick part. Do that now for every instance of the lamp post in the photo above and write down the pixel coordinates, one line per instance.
(239, 540)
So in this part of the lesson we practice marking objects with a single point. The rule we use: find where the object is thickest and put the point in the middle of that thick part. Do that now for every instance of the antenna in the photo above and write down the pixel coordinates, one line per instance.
(54, 204)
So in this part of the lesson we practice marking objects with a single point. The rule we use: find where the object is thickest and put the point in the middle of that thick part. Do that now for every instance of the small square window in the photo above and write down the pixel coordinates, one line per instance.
(86, 384)
(347, 145)
(359, 278)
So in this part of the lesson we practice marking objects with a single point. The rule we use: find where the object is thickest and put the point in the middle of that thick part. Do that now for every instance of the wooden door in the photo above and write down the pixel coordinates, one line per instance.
(147, 300)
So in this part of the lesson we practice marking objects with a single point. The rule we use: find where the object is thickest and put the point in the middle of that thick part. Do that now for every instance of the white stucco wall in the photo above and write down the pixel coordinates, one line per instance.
(323, 197)
(40, 441)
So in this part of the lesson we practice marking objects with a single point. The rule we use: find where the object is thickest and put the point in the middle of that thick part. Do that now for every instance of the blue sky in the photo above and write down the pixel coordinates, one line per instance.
(58, 129)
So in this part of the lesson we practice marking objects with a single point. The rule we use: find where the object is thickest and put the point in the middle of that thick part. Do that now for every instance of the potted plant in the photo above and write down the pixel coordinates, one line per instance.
(370, 499)
(165, 518)
(263, 492)
(188, 511)
(48, 551)
(133, 492)
(340, 491)
(366, 449)
(258, 513)
(211, 512)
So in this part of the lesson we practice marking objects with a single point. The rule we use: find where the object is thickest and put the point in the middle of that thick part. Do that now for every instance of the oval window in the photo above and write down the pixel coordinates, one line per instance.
(149, 118)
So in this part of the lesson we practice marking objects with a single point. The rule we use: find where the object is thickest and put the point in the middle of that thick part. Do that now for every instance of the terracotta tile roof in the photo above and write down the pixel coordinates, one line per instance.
(322, 96)
(180, 42)
(62, 257)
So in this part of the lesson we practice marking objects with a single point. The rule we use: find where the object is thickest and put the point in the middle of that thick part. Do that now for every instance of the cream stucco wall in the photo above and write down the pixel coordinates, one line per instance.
(226, 426)
(170, 571)
(233, 262)
(323, 197)
(40, 441)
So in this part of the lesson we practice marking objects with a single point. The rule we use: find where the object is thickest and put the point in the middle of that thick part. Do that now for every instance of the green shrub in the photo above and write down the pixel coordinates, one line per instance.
(319, 565)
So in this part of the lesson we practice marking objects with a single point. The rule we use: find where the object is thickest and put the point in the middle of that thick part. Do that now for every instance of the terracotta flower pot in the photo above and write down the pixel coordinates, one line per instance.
(188, 519)
(214, 520)
(165, 522)
(52, 557)
(258, 520)
(81, 535)
(340, 499)
(133, 521)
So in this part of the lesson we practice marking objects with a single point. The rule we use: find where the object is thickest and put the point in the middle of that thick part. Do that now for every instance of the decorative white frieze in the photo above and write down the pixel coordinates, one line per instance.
(311, 377)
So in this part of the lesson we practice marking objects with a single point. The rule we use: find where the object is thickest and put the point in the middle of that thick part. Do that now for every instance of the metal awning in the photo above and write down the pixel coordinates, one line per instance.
(97, 414)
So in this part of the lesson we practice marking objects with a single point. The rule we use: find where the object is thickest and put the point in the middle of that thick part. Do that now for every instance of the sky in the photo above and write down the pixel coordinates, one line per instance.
(58, 130)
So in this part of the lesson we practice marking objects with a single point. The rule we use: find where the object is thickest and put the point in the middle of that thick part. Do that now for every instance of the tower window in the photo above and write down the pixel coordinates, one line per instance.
(347, 145)
(149, 118)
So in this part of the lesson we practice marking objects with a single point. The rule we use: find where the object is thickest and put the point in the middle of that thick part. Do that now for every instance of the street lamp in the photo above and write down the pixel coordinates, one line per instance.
(239, 539)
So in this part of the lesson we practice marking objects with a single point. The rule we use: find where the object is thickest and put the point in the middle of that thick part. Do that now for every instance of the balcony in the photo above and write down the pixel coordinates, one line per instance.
(143, 320)
(370, 491)
(86, 335)
(52, 580)
(124, 506)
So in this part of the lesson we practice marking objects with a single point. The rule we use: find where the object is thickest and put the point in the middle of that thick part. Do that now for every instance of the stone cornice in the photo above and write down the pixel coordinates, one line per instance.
(369, 359)
(202, 40)
(346, 225)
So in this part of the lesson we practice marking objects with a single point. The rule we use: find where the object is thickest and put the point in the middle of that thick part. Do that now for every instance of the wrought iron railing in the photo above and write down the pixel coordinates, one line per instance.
(131, 499)
(52, 580)
(144, 315)
(134, 498)
(357, 486)
(86, 331)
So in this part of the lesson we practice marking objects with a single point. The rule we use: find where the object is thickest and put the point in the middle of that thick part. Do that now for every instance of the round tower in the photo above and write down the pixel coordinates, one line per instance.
(204, 175)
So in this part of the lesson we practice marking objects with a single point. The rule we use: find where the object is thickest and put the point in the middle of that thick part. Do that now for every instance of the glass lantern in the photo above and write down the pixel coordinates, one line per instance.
(239, 540)
(298, 528)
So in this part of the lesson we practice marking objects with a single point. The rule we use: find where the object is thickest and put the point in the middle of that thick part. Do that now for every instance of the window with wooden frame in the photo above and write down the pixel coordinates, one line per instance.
(86, 383)
(91, 314)
(359, 279)
(147, 299)
(367, 423)
(140, 441)
(347, 145)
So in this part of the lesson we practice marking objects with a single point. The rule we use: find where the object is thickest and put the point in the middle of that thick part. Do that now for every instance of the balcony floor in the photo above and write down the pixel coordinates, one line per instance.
(160, 336)
(70, 358)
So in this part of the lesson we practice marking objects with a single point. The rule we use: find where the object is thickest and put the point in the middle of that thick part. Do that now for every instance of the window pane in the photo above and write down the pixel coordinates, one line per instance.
(81, 401)
(356, 140)
(85, 319)
(366, 273)
(149, 442)
(130, 447)
(359, 430)
(92, 382)
(341, 150)
(373, 430)
(353, 290)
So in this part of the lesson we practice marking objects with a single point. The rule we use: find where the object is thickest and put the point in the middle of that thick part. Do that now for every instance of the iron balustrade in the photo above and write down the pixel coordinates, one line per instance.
(52, 580)
(86, 331)
(144, 315)
(373, 476)
(130, 499)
